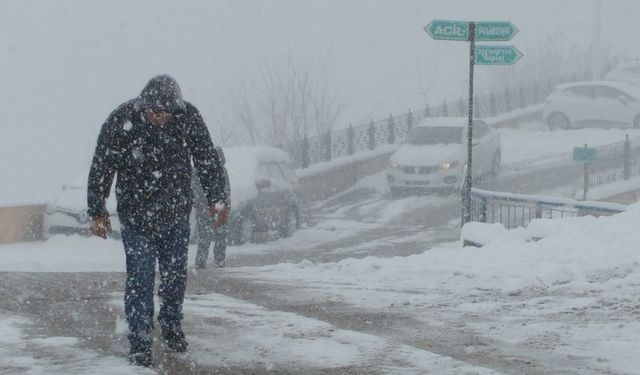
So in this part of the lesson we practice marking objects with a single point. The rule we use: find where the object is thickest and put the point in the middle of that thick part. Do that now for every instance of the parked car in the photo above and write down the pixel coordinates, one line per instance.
(264, 198)
(435, 155)
(593, 103)
(626, 72)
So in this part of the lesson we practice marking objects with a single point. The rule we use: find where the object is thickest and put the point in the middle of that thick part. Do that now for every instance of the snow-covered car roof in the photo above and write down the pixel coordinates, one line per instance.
(626, 65)
(242, 167)
(453, 122)
(241, 163)
(622, 86)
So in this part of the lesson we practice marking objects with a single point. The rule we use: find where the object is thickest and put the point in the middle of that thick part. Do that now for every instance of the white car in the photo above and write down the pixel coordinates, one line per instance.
(264, 199)
(593, 103)
(626, 72)
(435, 155)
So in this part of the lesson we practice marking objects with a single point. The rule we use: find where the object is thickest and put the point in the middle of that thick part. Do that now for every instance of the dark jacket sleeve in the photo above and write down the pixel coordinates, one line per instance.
(207, 162)
(105, 159)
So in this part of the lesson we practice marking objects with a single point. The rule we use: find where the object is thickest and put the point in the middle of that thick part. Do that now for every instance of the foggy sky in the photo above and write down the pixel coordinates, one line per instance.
(66, 64)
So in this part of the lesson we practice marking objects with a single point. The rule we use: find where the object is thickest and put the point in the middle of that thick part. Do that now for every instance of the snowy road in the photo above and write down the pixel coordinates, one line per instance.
(302, 305)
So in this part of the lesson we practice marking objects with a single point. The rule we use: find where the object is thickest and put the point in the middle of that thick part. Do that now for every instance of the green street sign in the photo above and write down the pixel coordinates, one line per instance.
(496, 55)
(495, 31)
(584, 154)
(448, 30)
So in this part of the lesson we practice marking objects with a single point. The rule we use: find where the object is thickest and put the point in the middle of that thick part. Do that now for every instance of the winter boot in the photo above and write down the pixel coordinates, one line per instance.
(174, 337)
(140, 351)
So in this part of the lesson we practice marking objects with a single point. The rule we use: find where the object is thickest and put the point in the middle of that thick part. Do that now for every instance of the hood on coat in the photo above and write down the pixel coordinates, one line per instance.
(162, 92)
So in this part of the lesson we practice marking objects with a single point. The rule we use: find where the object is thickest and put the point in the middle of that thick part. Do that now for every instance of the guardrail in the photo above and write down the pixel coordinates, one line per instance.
(517, 210)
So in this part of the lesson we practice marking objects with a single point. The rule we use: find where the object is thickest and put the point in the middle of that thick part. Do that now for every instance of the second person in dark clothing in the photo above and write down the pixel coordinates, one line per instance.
(207, 230)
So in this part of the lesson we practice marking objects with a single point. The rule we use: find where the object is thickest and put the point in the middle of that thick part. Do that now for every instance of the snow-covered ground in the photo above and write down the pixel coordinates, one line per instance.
(21, 353)
(576, 292)
(532, 145)
(569, 299)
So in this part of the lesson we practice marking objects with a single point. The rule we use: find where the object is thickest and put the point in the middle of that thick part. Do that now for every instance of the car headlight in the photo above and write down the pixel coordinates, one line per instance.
(449, 164)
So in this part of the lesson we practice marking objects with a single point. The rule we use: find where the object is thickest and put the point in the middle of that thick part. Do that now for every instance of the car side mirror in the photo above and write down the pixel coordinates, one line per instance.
(623, 99)
(263, 183)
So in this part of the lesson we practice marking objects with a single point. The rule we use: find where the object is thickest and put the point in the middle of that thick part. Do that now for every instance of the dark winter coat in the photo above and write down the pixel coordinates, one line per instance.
(153, 165)
(200, 203)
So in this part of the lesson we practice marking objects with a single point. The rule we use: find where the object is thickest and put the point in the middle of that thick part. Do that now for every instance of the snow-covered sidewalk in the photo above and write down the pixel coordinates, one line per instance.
(574, 294)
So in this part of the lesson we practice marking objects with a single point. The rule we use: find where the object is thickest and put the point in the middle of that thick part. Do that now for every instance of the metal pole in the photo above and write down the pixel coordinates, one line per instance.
(586, 179)
(466, 193)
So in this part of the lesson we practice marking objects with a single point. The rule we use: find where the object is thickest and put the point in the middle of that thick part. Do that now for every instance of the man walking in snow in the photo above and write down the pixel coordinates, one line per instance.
(150, 143)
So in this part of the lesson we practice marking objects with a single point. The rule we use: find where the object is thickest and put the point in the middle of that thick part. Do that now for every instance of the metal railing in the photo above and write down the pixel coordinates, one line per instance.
(614, 162)
(392, 130)
(517, 210)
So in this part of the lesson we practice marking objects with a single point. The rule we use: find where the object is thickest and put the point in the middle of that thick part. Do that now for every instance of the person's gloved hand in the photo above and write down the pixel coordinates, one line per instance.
(100, 226)
(219, 213)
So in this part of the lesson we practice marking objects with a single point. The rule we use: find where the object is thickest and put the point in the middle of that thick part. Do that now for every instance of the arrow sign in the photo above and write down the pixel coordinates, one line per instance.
(448, 30)
(496, 55)
(495, 31)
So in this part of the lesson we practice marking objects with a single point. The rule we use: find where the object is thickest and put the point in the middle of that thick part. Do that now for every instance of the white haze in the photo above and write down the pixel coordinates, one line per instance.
(66, 64)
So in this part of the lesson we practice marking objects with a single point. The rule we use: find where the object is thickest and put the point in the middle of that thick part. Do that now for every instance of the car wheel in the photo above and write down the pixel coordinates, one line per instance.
(495, 168)
(291, 223)
(636, 122)
(558, 120)
(243, 229)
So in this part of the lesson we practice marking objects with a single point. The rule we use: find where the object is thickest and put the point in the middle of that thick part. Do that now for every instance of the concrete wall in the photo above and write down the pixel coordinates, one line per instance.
(324, 184)
(22, 223)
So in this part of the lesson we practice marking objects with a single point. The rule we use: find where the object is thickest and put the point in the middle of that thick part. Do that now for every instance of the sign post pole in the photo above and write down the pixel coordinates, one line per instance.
(466, 193)
(484, 31)
(586, 178)
(585, 155)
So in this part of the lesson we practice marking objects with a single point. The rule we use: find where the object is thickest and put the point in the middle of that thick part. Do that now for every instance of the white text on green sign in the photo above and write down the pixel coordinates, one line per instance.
(584, 154)
(496, 55)
(495, 31)
(448, 30)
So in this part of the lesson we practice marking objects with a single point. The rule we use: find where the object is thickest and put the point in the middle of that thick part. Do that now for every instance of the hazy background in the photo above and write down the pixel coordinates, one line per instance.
(66, 64)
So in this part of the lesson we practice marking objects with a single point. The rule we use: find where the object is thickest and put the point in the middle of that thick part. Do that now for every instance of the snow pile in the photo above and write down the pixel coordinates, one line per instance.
(481, 233)
(578, 253)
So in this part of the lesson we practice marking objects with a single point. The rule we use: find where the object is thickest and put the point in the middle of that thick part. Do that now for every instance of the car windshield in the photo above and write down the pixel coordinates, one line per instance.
(434, 135)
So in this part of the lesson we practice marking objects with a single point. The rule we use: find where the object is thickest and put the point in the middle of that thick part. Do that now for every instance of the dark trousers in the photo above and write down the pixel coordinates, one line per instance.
(142, 248)
(206, 235)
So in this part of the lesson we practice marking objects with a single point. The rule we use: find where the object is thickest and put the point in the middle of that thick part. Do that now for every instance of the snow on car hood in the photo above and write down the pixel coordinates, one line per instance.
(426, 155)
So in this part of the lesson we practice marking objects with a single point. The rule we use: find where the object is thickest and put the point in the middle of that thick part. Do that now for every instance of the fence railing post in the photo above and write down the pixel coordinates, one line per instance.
(328, 146)
(350, 148)
(627, 157)
(483, 210)
(461, 107)
(538, 210)
(372, 135)
(391, 135)
(507, 100)
(304, 152)
(492, 104)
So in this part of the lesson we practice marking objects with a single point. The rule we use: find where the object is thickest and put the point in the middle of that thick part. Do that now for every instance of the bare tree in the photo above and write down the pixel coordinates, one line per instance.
(288, 101)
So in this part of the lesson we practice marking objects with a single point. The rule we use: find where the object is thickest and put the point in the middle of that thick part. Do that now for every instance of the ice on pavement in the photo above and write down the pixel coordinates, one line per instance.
(21, 353)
